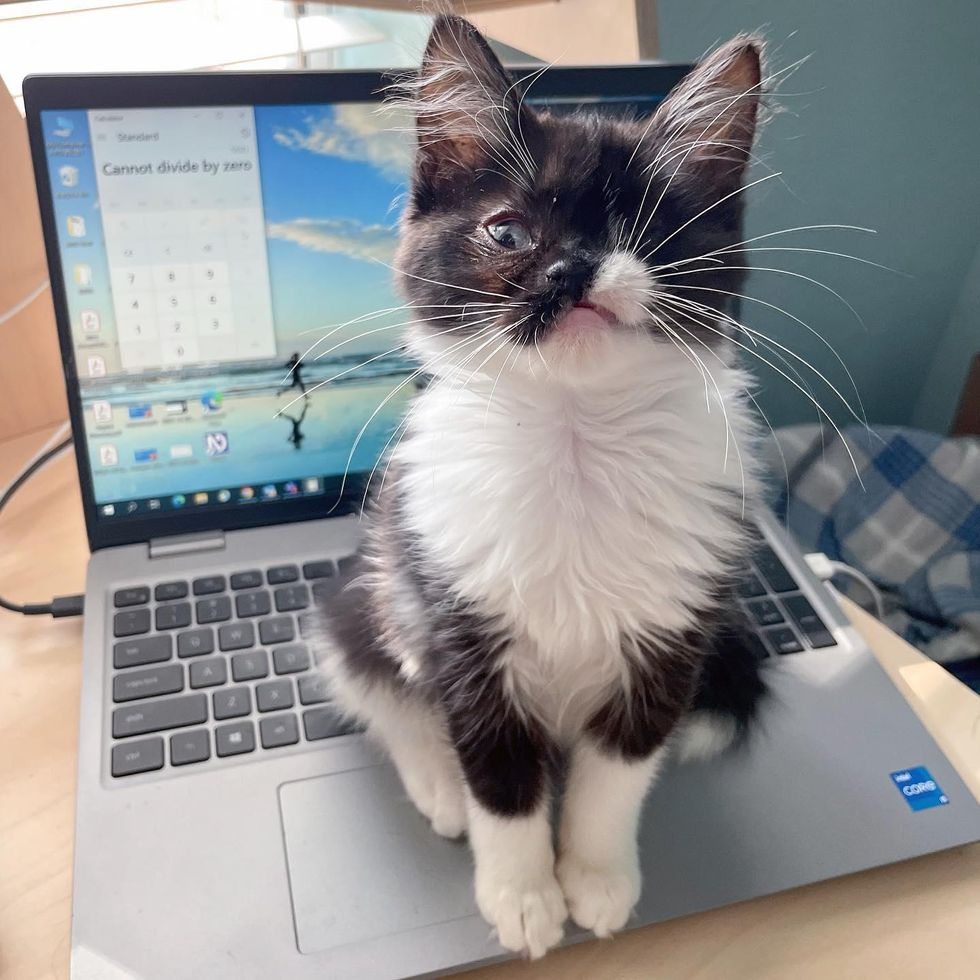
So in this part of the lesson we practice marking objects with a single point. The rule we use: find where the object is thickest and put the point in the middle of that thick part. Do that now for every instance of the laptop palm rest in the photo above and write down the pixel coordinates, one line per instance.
(364, 864)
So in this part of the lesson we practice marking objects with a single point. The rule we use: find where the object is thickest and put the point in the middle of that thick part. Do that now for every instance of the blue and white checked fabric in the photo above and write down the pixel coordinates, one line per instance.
(913, 529)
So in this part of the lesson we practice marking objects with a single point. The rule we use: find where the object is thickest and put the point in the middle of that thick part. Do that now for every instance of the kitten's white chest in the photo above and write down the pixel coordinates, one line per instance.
(578, 516)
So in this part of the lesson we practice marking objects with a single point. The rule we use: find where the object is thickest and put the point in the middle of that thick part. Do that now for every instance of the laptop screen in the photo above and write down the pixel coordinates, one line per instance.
(226, 288)
(227, 272)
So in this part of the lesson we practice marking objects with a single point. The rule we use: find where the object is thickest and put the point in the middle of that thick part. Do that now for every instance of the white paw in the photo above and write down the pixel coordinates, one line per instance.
(528, 912)
(439, 798)
(599, 898)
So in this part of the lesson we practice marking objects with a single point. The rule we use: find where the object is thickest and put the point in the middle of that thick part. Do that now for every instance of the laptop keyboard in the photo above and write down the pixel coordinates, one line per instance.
(784, 619)
(225, 652)
(229, 653)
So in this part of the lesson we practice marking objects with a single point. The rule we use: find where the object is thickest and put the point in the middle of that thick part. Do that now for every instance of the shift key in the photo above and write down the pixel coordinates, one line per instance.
(155, 716)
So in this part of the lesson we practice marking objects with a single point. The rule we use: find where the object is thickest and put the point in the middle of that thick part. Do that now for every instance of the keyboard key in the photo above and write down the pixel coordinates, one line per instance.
(326, 587)
(174, 615)
(236, 636)
(138, 595)
(209, 584)
(209, 673)
(292, 597)
(250, 666)
(319, 569)
(155, 716)
(810, 624)
(309, 624)
(347, 565)
(188, 747)
(133, 757)
(782, 640)
(291, 659)
(324, 723)
(246, 580)
(765, 612)
(231, 703)
(751, 586)
(278, 629)
(755, 645)
(166, 591)
(131, 622)
(274, 695)
(195, 643)
(215, 610)
(278, 730)
(150, 683)
(774, 571)
(281, 574)
(136, 653)
(312, 689)
(253, 604)
(234, 739)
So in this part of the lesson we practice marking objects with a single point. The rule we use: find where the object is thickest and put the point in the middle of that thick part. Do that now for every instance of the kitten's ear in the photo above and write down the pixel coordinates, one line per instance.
(708, 122)
(465, 107)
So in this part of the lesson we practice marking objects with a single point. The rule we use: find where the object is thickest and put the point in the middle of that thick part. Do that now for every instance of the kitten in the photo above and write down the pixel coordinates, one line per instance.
(548, 570)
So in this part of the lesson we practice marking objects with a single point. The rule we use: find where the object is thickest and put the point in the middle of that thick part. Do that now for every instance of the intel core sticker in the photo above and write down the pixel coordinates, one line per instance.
(920, 790)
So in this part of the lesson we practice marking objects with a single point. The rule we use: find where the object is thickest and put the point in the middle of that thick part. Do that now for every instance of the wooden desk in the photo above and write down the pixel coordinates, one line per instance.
(920, 918)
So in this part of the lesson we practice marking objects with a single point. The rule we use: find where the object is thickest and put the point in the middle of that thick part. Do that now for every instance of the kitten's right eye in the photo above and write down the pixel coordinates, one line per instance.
(510, 233)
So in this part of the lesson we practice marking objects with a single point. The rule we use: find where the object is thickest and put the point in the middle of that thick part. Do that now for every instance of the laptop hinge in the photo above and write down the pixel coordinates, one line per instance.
(187, 544)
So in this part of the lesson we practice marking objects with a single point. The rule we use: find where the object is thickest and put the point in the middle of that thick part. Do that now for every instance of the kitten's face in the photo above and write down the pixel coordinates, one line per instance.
(566, 233)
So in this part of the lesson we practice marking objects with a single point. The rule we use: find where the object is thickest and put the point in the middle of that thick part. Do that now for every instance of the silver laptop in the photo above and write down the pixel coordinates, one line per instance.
(218, 248)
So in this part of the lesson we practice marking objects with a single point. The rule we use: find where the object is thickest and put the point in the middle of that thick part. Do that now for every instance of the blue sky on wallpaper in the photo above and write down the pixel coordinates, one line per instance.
(330, 175)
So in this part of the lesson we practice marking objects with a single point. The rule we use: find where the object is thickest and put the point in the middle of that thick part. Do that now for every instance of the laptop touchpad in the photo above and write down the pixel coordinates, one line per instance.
(363, 863)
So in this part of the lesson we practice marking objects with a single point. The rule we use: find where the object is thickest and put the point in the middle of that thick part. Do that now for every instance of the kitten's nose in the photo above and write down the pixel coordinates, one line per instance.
(571, 276)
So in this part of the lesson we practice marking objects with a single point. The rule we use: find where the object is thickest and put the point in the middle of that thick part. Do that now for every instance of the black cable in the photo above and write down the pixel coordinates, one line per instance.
(63, 605)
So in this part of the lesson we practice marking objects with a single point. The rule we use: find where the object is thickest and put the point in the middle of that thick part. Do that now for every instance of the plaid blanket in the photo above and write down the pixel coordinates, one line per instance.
(914, 528)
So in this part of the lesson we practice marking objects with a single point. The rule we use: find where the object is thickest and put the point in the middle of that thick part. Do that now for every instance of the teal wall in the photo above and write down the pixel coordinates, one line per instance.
(882, 129)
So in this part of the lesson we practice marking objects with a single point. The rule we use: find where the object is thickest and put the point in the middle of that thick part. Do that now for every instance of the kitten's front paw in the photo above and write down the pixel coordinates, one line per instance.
(528, 913)
(599, 898)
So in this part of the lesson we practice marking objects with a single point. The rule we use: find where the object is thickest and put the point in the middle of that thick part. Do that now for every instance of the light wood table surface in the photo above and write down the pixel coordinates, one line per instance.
(912, 920)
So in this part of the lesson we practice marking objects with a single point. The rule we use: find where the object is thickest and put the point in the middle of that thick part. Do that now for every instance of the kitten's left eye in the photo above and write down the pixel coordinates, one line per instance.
(509, 233)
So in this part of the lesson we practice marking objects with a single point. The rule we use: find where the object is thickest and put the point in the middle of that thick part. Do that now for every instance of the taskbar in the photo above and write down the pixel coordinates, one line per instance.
(309, 486)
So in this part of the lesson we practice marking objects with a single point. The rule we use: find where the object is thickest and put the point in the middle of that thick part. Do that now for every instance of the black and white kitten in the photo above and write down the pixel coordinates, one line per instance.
(548, 569)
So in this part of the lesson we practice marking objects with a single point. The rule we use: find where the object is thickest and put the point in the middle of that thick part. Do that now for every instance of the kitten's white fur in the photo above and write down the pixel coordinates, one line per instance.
(598, 467)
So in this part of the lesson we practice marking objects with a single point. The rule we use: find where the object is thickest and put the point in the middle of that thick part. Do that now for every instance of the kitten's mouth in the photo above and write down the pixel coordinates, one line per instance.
(585, 316)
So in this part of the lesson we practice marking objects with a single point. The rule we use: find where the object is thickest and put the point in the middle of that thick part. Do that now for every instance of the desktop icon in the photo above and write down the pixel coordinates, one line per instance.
(178, 500)
(215, 443)
(153, 504)
(201, 497)
(145, 456)
(102, 412)
(144, 410)
(132, 507)
(82, 274)
(246, 493)
(311, 484)
(183, 450)
(108, 455)
(64, 127)
(212, 401)
(269, 492)
(175, 408)
(108, 510)
(90, 321)
(76, 226)
(224, 496)
(68, 175)
(291, 488)
(96, 366)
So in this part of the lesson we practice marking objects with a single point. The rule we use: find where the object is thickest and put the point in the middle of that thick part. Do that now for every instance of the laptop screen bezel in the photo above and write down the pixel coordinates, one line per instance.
(151, 91)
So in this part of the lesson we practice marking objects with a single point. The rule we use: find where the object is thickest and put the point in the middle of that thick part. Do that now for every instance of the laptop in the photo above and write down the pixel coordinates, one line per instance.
(219, 247)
